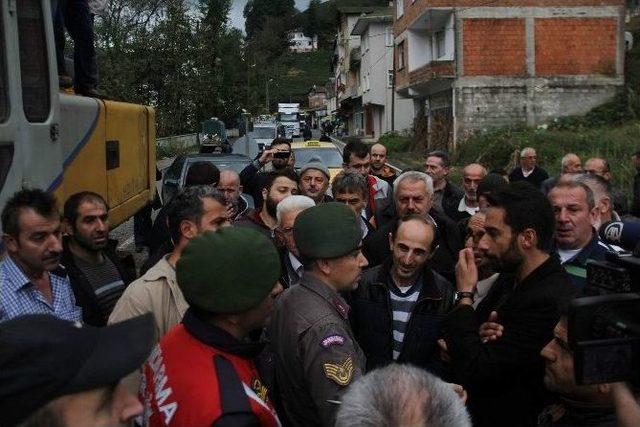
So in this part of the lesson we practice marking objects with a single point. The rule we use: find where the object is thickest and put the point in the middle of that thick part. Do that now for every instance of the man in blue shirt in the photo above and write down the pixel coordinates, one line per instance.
(31, 279)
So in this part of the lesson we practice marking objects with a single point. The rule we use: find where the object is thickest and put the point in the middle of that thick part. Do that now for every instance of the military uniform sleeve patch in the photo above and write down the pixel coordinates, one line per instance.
(330, 340)
(342, 373)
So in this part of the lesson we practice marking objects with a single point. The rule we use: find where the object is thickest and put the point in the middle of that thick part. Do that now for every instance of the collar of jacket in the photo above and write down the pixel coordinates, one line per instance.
(550, 266)
(68, 261)
(216, 337)
(332, 297)
(586, 252)
(243, 207)
(429, 288)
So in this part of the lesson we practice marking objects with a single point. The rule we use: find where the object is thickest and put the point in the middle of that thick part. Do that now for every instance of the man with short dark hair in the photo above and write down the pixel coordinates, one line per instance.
(600, 166)
(355, 156)
(528, 170)
(191, 213)
(584, 405)
(576, 239)
(255, 175)
(507, 373)
(97, 275)
(203, 371)
(316, 355)
(446, 196)
(59, 373)
(31, 280)
(350, 188)
(397, 309)
(279, 185)
(199, 173)
(379, 165)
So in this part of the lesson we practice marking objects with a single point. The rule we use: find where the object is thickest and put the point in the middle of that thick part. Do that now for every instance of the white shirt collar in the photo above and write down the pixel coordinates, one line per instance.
(462, 207)
(295, 263)
(527, 173)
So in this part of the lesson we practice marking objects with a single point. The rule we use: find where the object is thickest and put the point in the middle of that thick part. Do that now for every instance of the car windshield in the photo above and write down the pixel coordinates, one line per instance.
(222, 164)
(329, 156)
(288, 117)
(264, 133)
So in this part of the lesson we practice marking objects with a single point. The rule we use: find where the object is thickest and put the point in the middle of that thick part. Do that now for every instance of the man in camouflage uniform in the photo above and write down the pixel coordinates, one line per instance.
(316, 355)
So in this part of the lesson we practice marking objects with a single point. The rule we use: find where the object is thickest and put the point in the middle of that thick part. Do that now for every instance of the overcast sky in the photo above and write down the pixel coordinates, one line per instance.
(237, 20)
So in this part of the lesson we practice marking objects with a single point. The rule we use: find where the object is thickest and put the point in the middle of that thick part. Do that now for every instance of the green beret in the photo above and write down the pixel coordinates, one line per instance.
(228, 271)
(328, 230)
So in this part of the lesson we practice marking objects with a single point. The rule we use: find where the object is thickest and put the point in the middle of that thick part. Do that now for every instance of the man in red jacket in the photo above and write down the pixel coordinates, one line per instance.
(202, 372)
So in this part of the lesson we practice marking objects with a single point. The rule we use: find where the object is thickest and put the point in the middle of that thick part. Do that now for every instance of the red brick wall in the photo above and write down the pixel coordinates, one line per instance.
(576, 46)
(413, 10)
(494, 47)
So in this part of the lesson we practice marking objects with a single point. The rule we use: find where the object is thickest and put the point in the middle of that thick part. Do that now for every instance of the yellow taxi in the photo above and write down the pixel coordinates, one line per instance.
(326, 151)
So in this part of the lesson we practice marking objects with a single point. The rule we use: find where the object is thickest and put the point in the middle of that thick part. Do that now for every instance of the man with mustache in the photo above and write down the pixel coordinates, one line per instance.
(504, 377)
(31, 280)
(97, 275)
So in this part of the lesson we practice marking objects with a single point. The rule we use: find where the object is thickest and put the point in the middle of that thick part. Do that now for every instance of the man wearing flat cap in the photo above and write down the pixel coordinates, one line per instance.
(316, 355)
(54, 372)
(314, 180)
(202, 373)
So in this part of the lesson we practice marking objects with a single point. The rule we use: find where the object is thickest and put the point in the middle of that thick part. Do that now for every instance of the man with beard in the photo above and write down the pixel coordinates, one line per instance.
(255, 175)
(472, 175)
(504, 377)
(279, 184)
(397, 309)
(314, 180)
(97, 275)
(31, 280)
(379, 165)
(413, 194)
(487, 274)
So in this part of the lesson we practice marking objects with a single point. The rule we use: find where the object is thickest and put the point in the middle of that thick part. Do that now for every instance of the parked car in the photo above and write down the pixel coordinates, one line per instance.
(174, 176)
(330, 155)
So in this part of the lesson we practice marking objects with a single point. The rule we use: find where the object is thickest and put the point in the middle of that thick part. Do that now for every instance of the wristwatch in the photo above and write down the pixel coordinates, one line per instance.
(460, 295)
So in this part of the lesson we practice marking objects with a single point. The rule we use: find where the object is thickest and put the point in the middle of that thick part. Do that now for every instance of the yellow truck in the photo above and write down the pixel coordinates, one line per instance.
(61, 142)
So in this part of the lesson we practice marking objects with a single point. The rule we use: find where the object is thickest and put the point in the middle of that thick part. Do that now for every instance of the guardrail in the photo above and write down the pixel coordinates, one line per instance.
(178, 141)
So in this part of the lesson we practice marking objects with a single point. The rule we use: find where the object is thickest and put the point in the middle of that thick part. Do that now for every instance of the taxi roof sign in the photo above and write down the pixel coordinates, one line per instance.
(313, 144)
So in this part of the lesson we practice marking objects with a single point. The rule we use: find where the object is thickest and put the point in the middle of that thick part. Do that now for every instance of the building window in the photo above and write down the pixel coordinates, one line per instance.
(399, 8)
(441, 45)
(390, 78)
(34, 66)
(388, 36)
(401, 55)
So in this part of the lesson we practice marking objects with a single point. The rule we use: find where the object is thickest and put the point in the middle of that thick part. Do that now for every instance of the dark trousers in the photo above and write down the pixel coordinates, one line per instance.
(75, 16)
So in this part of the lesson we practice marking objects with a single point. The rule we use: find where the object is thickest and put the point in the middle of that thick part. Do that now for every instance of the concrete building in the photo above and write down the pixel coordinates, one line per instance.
(384, 109)
(472, 64)
(299, 43)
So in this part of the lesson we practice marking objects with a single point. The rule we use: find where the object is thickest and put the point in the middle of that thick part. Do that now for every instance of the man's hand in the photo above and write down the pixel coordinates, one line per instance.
(491, 330)
(466, 271)
(266, 156)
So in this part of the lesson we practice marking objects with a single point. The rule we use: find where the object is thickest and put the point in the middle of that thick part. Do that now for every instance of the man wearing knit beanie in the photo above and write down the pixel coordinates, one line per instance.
(314, 180)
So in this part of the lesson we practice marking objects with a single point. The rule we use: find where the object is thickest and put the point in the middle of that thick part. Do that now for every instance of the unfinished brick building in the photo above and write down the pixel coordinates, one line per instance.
(474, 64)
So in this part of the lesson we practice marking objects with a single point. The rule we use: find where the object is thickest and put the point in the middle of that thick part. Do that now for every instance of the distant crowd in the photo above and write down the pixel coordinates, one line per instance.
(277, 296)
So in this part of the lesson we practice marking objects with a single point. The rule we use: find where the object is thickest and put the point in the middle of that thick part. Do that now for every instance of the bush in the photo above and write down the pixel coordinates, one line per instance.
(395, 142)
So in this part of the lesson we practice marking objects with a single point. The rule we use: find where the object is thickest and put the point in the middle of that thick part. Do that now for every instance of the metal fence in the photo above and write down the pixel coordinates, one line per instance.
(180, 142)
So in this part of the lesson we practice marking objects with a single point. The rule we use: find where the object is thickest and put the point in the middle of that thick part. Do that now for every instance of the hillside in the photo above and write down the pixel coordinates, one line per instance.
(297, 73)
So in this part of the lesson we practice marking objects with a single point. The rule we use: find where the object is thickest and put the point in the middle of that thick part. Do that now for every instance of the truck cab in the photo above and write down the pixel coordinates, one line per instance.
(289, 117)
(59, 141)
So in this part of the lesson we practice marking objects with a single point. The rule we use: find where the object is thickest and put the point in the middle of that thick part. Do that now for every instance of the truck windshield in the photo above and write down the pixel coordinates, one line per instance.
(288, 117)
(264, 133)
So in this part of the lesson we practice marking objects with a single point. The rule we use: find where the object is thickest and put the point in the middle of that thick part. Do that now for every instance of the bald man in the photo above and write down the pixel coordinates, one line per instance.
(569, 165)
(379, 167)
(472, 174)
(230, 186)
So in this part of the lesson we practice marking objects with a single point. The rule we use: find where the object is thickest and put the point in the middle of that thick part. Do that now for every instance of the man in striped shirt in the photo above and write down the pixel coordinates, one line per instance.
(98, 277)
(397, 309)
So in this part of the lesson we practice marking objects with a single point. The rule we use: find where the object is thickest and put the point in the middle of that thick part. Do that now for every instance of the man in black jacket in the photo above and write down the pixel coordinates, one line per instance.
(413, 194)
(504, 376)
(397, 309)
(446, 196)
(528, 170)
(98, 277)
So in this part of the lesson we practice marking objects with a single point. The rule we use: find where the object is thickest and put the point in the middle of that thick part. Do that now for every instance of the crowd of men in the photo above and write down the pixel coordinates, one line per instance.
(373, 298)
